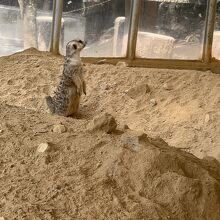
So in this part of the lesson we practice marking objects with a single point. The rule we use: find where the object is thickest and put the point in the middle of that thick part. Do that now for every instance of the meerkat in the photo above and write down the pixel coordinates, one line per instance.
(66, 99)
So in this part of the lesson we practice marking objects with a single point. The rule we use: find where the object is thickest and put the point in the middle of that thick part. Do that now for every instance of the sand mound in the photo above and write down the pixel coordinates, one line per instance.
(181, 106)
(88, 174)
(95, 175)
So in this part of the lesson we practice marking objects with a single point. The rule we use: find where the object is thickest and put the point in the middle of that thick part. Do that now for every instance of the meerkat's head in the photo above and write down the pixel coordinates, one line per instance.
(74, 47)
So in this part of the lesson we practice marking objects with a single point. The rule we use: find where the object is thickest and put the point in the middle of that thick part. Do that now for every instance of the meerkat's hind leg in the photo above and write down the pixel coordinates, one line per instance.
(50, 104)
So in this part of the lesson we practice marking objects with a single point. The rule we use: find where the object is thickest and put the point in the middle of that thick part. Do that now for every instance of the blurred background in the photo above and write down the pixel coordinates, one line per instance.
(167, 29)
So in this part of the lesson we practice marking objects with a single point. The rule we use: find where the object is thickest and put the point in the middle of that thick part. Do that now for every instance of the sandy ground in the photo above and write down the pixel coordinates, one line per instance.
(186, 114)
(92, 175)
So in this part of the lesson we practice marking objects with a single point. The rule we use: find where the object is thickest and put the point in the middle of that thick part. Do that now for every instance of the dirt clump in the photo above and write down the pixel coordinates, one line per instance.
(104, 122)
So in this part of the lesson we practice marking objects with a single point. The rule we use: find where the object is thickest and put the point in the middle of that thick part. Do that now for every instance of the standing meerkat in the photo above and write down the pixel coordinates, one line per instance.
(66, 98)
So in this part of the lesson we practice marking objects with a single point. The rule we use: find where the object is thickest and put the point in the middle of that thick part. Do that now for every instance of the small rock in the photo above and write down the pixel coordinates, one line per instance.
(138, 90)
(167, 86)
(59, 128)
(105, 122)
(134, 140)
(153, 102)
(104, 86)
(99, 164)
(207, 118)
(122, 64)
(43, 147)
(122, 127)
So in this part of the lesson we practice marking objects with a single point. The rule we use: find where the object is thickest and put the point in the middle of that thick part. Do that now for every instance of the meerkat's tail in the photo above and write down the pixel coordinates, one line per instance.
(50, 104)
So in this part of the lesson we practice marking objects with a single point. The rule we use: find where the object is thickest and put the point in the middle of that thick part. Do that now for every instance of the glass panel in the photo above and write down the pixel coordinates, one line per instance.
(24, 25)
(102, 23)
(11, 39)
(216, 37)
(171, 29)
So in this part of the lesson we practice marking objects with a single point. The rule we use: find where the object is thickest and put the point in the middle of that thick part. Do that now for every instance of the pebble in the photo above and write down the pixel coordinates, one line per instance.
(99, 164)
(122, 64)
(207, 118)
(104, 86)
(153, 102)
(122, 127)
(59, 128)
(167, 86)
(43, 147)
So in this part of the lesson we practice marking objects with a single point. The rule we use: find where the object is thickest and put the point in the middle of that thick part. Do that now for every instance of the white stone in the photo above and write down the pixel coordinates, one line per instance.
(153, 102)
(121, 64)
(207, 118)
(59, 128)
(104, 86)
(167, 86)
(43, 147)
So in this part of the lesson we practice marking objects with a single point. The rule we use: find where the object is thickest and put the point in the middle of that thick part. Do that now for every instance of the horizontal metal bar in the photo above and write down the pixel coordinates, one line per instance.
(214, 65)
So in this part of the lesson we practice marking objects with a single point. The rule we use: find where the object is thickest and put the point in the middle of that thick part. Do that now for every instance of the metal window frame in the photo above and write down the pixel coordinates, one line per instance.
(206, 63)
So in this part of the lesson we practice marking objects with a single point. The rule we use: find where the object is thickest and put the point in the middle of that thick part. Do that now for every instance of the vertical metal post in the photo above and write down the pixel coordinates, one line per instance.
(133, 28)
(209, 29)
(56, 26)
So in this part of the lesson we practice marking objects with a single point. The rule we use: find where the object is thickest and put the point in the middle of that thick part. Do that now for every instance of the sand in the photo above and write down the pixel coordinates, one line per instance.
(95, 175)
(186, 115)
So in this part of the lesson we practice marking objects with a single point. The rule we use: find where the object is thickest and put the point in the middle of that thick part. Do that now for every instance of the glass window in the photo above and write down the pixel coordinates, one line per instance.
(171, 29)
(24, 25)
(102, 23)
(11, 39)
(216, 37)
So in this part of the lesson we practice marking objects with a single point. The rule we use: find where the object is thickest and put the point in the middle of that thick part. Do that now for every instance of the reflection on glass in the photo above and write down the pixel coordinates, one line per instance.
(171, 29)
(11, 39)
(24, 24)
(102, 23)
(216, 37)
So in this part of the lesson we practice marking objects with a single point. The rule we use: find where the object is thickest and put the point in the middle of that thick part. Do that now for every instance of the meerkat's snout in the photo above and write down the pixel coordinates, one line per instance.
(83, 43)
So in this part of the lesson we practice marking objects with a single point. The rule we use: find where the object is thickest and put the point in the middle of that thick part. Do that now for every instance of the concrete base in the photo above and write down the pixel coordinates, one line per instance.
(216, 45)
(150, 45)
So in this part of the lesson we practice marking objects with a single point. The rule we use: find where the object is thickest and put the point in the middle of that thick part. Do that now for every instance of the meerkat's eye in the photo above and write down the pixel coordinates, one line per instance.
(75, 46)
(80, 42)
